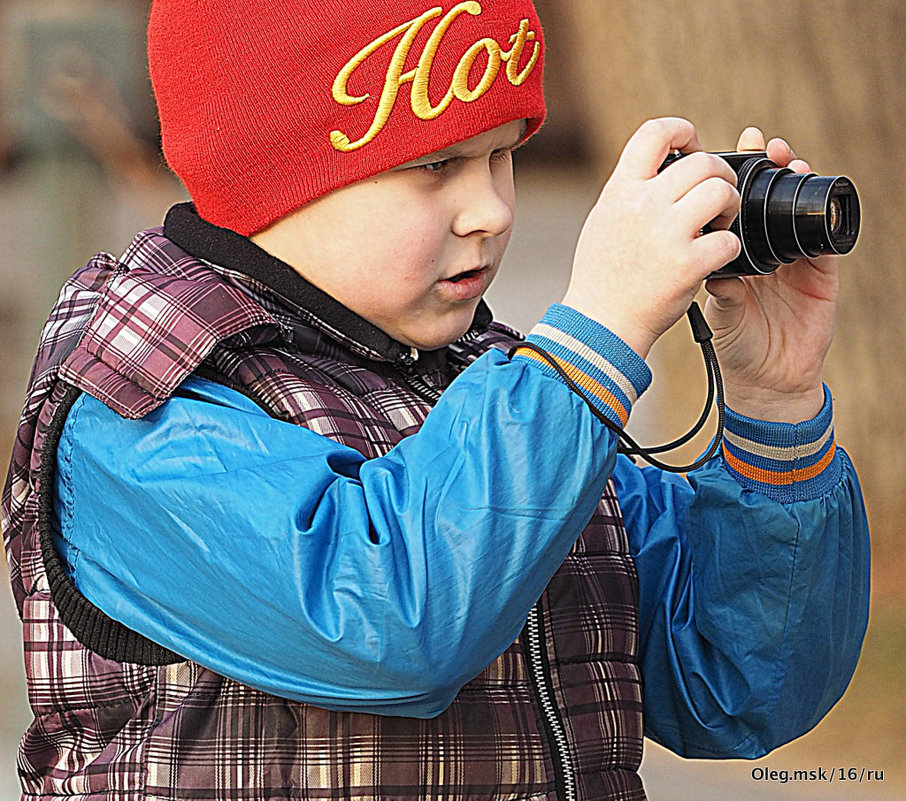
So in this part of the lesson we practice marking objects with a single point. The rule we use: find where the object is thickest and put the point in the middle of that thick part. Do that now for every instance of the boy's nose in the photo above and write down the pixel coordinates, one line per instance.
(485, 206)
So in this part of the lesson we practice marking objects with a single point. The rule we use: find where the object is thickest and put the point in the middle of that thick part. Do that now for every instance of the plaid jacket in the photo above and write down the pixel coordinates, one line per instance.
(557, 715)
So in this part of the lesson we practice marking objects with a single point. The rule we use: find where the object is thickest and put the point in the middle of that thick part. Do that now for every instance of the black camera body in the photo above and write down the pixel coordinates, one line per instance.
(784, 215)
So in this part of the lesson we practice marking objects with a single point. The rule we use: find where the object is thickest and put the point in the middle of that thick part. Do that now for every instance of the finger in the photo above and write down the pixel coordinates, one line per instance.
(649, 145)
(715, 249)
(712, 201)
(780, 148)
(782, 154)
(800, 166)
(826, 265)
(684, 174)
(823, 266)
(751, 139)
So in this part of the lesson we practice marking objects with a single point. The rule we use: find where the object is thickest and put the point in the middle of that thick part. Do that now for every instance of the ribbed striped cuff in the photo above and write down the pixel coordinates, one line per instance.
(787, 462)
(611, 374)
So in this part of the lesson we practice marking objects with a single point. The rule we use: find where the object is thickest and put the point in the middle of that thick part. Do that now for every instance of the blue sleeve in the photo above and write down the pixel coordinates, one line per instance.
(753, 583)
(286, 561)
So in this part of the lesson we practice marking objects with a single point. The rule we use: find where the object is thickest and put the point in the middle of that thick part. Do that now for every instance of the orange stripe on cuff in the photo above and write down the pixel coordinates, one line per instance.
(583, 380)
(778, 477)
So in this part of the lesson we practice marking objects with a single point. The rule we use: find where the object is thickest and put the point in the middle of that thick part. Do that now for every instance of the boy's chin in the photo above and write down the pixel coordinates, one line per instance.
(438, 338)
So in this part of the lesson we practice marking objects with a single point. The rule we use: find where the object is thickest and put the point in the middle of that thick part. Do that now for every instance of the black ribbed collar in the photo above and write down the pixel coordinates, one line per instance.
(228, 249)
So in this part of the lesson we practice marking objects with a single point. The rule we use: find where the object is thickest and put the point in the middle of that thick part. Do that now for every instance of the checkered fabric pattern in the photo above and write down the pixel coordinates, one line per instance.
(128, 332)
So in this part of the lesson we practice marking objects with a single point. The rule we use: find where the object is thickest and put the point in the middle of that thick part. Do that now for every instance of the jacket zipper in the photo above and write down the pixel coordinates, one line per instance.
(425, 391)
(539, 670)
(418, 385)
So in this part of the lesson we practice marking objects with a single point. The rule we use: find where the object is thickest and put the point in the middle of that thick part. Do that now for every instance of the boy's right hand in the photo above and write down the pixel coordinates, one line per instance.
(641, 256)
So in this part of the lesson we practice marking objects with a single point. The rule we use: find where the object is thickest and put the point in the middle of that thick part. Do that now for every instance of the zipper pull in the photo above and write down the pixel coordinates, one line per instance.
(408, 359)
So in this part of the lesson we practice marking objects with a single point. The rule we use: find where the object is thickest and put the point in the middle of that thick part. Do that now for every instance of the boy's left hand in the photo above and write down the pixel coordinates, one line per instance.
(771, 333)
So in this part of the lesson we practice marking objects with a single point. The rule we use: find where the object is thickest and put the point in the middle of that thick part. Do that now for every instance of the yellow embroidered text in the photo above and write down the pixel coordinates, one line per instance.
(421, 75)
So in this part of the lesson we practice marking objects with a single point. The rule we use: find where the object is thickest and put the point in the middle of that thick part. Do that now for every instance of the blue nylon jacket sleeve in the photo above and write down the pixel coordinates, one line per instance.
(752, 612)
(393, 606)
(286, 561)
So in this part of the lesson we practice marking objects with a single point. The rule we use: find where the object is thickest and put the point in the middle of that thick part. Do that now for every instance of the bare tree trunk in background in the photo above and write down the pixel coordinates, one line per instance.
(830, 77)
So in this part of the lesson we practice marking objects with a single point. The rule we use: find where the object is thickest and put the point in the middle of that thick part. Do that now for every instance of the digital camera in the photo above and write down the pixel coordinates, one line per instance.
(784, 215)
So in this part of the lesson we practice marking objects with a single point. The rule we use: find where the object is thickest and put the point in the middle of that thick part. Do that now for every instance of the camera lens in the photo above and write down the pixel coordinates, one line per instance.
(785, 215)
(826, 215)
(835, 215)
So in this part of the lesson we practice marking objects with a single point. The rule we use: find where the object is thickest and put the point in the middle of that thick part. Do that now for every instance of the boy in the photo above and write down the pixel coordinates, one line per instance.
(265, 546)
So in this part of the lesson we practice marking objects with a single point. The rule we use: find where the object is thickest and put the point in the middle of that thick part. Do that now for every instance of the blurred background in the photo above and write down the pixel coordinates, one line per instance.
(80, 171)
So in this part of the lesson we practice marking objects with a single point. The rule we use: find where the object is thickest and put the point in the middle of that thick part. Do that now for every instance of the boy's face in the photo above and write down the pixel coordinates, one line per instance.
(413, 249)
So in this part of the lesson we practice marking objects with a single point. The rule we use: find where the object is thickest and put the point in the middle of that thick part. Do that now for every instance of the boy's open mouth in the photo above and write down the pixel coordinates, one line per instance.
(467, 285)
(467, 274)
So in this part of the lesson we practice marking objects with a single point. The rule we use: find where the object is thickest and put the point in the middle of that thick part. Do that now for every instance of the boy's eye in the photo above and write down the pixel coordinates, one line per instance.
(437, 166)
(445, 165)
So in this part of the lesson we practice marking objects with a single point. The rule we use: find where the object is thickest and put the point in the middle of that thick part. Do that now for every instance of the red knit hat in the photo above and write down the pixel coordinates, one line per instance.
(266, 105)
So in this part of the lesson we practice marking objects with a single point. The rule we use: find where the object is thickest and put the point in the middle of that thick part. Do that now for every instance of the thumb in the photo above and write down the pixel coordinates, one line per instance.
(726, 293)
(726, 303)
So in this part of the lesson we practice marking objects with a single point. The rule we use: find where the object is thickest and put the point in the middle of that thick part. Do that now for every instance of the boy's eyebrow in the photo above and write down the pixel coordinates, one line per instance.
(451, 151)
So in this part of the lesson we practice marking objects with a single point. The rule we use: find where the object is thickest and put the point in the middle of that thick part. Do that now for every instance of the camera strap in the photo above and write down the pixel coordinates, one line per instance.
(702, 334)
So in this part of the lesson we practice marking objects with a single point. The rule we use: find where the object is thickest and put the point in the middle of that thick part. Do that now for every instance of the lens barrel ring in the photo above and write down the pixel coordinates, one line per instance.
(752, 233)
